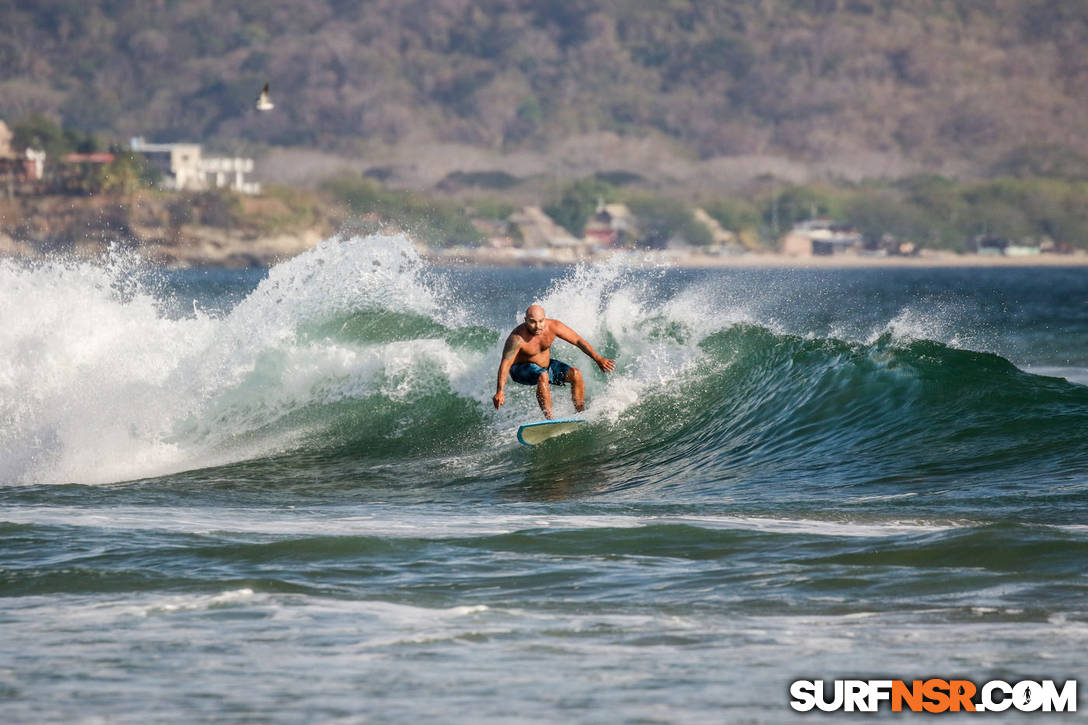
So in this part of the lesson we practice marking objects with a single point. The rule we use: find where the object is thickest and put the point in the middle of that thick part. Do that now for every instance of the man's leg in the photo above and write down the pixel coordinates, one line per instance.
(577, 388)
(544, 394)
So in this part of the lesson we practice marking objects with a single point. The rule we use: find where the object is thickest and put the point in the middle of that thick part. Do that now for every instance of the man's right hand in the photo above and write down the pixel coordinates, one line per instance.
(498, 399)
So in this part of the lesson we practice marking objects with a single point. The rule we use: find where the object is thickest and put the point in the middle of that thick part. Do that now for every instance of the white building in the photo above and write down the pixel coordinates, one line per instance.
(184, 167)
(821, 237)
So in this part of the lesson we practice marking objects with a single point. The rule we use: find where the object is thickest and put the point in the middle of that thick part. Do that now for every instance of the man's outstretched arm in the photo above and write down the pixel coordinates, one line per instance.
(509, 352)
(565, 333)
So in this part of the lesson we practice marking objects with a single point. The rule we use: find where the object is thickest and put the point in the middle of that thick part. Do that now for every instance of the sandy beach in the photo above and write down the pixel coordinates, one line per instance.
(547, 257)
(235, 251)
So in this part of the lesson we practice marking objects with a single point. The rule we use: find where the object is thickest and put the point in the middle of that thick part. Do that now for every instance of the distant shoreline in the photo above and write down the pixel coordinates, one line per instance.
(231, 251)
(687, 260)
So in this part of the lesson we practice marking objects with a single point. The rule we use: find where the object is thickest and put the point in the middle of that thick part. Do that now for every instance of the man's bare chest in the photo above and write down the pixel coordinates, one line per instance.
(536, 345)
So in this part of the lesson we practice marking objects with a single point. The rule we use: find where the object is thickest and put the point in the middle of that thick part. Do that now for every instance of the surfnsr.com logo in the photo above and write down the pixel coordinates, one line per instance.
(933, 695)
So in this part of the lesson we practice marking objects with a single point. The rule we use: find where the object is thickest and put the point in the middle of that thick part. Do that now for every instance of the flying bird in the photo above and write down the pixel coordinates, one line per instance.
(264, 103)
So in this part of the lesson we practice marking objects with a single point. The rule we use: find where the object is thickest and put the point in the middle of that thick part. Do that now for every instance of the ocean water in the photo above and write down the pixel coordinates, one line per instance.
(284, 496)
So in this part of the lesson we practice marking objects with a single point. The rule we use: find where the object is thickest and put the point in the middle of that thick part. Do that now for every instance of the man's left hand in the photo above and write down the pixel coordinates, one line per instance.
(606, 365)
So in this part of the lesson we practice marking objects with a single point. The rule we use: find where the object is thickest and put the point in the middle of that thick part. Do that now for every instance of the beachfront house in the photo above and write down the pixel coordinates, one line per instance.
(19, 172)
(821, 237)
(989, 245)
(9, 160)
(27, 173)
(77, 171)
(184, 167)
(611, 226)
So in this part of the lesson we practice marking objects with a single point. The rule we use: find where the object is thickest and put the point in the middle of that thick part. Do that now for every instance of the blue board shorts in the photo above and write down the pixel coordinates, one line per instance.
(528, 373)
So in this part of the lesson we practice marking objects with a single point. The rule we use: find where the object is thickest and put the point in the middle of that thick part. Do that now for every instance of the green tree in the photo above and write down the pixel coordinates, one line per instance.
(125, 174)
(578, 202)
(785, 207)
(1001, 207)
(877, 212)
(734, 214)
(40, 132)
(661, 220)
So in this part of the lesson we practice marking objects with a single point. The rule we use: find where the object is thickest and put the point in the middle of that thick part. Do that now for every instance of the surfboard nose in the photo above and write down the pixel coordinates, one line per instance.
(532, 433)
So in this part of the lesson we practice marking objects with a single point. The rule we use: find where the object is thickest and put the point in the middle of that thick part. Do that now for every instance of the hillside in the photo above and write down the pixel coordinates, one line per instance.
(951, 86)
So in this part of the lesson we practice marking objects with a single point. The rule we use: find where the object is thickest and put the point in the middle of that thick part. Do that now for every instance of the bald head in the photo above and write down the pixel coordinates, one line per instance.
(535, 318)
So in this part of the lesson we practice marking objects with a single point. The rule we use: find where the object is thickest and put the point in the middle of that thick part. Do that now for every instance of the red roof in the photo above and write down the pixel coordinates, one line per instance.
(96, 158)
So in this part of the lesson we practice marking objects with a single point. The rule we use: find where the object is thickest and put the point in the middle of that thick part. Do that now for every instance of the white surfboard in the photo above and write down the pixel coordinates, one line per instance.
(532, 433)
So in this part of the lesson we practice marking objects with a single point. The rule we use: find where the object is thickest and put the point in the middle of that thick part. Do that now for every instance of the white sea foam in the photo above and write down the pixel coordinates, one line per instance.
(617, 307)
(363, 655)
(915, 324)
(197, 602)
(87, 369)
(433, 522)
(99, 384)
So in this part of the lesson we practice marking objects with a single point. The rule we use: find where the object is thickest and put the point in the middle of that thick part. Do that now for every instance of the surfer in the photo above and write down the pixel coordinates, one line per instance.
(527, 358)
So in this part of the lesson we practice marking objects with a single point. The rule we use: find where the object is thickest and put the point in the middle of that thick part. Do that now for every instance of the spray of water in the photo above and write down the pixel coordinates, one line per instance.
(98, 383)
